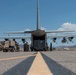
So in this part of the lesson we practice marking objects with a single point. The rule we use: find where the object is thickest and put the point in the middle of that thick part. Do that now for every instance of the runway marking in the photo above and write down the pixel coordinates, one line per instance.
(39, 67)
(18, 57)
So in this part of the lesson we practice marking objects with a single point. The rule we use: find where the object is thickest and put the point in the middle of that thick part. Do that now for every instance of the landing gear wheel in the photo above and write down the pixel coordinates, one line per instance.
(50, 46)
(5, 50)
(12, 50)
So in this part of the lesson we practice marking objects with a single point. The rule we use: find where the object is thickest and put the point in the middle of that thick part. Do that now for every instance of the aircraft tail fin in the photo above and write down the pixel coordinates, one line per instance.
(38, 17)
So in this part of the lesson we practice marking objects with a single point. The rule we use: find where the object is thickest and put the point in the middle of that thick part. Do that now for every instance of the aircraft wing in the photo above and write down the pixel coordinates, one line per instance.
(57, 31)
(23, 32)
(18, 32)
(64, 40)
(14, 37)
(60, 36)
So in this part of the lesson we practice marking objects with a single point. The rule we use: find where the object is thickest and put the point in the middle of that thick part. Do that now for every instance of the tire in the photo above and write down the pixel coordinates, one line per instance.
(50, 46)
(12, 50)
(5, 50)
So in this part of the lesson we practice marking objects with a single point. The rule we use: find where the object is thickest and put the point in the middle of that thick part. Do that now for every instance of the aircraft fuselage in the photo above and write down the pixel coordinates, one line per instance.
(38, 41)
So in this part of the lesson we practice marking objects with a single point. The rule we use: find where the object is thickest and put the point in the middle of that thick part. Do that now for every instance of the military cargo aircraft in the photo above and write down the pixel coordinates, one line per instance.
(39, 37)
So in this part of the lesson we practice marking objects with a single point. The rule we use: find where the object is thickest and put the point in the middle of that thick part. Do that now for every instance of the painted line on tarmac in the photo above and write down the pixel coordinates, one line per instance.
(39, 67)
(18, 57)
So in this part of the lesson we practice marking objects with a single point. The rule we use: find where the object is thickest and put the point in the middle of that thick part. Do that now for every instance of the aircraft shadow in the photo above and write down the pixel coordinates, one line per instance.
(56, 68)
(22, 68)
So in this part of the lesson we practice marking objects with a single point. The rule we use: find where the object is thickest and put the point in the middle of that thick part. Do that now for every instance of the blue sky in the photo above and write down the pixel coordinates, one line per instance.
(18, 15)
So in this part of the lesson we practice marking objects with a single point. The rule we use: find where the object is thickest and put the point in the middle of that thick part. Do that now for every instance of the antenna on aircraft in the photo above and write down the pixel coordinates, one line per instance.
(38, 18)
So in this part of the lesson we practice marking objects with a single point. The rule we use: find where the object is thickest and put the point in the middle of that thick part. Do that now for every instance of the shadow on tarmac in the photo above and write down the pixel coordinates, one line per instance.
(22, 68)
(56, 68)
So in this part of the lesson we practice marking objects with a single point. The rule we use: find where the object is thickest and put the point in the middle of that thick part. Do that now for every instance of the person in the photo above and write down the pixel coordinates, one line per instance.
(26, 47)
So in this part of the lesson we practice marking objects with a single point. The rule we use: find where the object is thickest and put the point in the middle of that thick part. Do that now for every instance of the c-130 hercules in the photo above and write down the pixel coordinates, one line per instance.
(38, 36)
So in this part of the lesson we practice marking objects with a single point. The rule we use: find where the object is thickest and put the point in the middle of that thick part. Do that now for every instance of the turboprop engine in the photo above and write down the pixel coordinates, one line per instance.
(70, 39)
(54, 39)
(64, 40)
(23, 40)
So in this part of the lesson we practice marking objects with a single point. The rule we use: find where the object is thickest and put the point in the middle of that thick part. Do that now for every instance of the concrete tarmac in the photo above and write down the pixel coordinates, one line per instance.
(59, 62)
(39, 67)
(18, 66)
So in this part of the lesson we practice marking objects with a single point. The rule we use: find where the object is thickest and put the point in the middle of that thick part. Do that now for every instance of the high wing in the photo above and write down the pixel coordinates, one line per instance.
(28, 32)
(15, 37)
(60, 36)
(65, 39)
(57, 31)
(18, 32)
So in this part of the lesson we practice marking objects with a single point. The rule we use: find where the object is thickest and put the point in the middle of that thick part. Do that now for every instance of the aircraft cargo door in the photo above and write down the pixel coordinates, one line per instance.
(39, 42)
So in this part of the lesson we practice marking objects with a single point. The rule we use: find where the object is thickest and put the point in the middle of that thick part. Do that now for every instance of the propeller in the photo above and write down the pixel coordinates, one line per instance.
(70, 39)
(64, 40)
(54, 40)
(23, 40)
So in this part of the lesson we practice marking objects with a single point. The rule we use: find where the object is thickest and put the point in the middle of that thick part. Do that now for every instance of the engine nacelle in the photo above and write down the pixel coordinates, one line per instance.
(23, 40)
(70, 39)
(54, 39)
(13, 39)
(6, 39)
(64, 40)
